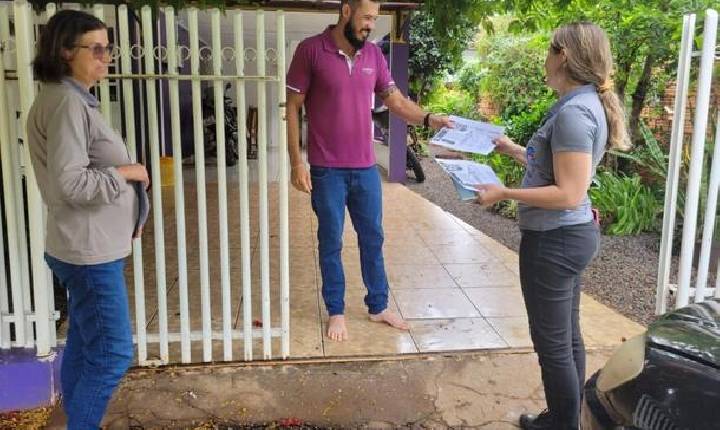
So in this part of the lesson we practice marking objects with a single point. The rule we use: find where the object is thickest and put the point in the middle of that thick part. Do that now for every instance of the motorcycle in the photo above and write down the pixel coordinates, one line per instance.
(381, 119)
(209, 127)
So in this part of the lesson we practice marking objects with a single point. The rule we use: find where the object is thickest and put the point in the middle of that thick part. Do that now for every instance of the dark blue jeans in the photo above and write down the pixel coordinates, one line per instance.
(551, 265)
(360, 190)
(99, 346)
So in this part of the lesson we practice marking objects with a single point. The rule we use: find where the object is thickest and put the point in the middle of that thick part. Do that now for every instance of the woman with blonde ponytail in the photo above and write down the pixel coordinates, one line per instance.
(559, 233)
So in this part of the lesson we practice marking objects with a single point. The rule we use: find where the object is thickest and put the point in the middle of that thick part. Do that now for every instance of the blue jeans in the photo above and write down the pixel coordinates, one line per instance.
(361, 191)
(99, 346)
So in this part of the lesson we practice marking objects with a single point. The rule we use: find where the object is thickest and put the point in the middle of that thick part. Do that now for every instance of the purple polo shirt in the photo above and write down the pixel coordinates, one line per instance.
(338, 99)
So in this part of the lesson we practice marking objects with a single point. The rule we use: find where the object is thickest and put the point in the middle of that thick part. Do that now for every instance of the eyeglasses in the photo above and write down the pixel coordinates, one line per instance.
(98, 51)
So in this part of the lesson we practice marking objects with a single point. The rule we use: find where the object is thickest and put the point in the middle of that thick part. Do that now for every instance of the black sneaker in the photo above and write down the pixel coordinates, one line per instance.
(541, 421)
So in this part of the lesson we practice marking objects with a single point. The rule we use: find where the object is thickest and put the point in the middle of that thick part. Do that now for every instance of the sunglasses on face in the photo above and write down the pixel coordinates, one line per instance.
(98, 51)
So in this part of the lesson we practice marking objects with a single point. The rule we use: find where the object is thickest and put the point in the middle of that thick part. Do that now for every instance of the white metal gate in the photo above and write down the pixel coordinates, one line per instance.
(32, 302)
(682, 291)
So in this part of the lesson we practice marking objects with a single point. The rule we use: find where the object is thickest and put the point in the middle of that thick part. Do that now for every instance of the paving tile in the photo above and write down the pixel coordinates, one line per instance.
(482, 275)
(514, 330)
(434, 303)
(463, 254)
(416, 276)
(455, 334)
(497, 302)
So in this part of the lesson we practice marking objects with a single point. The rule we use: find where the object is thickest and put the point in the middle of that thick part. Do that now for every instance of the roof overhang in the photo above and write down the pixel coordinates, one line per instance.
(387, 6)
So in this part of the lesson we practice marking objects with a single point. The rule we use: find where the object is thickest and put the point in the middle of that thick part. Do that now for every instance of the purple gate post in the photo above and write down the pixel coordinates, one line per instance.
(28, 381)
(399, 67)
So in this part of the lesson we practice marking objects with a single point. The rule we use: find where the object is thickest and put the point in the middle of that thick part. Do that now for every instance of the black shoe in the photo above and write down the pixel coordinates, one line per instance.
(541, 421)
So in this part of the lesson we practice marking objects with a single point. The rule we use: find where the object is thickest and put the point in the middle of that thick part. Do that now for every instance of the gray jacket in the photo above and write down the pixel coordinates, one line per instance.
(92, 210)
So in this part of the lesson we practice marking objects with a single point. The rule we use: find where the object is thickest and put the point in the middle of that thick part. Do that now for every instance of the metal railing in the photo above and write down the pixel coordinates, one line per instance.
(683, 290)
(16, 166)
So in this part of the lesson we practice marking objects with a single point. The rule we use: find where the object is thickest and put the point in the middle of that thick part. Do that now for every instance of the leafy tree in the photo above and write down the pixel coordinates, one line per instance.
(432, 56)
(441, 31)
(645, 36)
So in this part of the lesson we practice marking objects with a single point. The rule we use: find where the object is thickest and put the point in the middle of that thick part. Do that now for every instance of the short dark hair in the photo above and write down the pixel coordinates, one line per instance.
(61, 32)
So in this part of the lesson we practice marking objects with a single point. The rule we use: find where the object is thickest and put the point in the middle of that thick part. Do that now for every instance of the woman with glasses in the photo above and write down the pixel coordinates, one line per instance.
(90, 186)
(559, 237)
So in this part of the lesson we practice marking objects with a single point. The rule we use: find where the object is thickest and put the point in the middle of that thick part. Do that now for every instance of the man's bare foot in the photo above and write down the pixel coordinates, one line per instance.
(336, 328)
(390, 318)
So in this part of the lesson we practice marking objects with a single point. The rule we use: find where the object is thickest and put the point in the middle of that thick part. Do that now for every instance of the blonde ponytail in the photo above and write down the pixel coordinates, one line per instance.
(589, 61)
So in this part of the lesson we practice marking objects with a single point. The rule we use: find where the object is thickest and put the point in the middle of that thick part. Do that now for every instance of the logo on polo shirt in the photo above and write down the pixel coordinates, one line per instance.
(530, 153)
(368, 70)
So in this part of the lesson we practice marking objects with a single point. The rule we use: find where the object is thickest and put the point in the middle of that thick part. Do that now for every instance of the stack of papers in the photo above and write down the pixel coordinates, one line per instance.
(467, 174)
(143, 207)
(468, 136)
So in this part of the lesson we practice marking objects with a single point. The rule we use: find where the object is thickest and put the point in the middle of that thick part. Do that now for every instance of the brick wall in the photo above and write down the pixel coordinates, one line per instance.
(658, 116)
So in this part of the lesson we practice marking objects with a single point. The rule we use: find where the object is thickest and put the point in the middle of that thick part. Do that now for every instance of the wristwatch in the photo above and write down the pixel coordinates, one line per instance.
(426, 121)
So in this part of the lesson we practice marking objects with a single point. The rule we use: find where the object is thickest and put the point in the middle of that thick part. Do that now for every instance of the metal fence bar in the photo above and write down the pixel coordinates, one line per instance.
(709, 223)
(702, 105)
(129, 107)
(24, 45)
(200, 183)
(219, 90)
(170, 77)
(283, 190)
(50, 10)
(197, 77)
(675, 162)
(99, 12)
(4, 304)
(170, 26)
(153, 130)
(714, 181)
(197, 335)
(715, 292)
(21, 302)
(263, 189)
(7, 158)
(244, 189)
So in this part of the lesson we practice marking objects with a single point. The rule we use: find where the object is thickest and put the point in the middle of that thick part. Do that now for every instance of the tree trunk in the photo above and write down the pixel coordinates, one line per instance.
(624, 70)
(638, 100)
(421, 92)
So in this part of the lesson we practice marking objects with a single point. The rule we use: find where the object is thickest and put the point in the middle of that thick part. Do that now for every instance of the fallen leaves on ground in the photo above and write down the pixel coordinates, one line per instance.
(34, 419)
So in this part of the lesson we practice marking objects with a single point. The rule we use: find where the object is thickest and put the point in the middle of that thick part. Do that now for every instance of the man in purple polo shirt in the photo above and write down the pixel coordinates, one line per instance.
(334, 75)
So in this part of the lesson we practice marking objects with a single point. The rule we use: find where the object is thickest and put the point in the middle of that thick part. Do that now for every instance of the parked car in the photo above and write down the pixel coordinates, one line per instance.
(665, 379)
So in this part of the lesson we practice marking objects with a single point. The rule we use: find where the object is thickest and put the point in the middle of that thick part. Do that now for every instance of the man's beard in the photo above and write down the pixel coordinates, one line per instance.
(350, 36)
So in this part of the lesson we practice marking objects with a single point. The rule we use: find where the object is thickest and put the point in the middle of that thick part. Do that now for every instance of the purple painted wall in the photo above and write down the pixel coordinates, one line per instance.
(28, 381)
(399, 67)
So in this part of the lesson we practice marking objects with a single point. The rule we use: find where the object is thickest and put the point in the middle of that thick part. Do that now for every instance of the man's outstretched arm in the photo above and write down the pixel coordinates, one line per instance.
(408, 110)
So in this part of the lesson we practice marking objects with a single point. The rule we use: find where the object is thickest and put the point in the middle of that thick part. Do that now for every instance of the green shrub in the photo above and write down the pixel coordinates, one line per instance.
(650, 158)
(509, 171)
(626, 205)
(522, 126)
(511, 71)
(452, 101)
(470, 79)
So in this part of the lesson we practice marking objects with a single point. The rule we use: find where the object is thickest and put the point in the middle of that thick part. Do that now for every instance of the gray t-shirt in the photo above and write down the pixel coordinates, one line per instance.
(92, 210)
(576, 123)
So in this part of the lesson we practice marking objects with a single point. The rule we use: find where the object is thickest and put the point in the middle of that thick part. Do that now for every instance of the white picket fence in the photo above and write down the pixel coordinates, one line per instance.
(680, 292)
(26, 295)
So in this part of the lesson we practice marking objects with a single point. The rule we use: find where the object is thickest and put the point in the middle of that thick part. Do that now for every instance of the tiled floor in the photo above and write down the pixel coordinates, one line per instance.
(458, 288)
